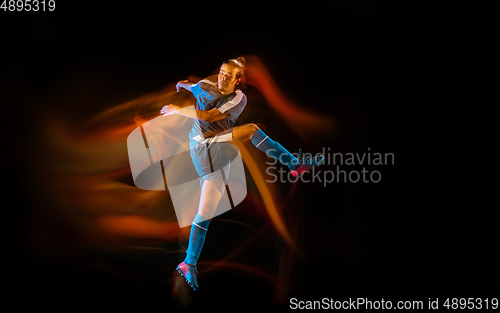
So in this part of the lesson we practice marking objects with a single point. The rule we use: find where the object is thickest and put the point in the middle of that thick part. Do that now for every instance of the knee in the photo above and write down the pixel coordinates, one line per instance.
(252, 128)
(245, 132)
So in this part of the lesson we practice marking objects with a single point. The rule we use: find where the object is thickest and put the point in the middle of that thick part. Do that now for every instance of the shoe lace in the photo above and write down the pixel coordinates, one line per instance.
(304, 160)
(195, 271)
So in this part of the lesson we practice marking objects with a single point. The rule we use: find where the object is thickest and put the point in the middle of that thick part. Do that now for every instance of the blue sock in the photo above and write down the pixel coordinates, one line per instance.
(196, 239)
(274, 149)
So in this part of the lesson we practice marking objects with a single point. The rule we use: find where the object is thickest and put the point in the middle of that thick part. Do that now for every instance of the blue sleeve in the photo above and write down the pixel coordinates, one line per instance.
(195, 89)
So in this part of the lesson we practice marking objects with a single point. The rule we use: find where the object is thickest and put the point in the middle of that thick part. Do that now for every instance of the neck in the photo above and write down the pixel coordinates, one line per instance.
(225, 92)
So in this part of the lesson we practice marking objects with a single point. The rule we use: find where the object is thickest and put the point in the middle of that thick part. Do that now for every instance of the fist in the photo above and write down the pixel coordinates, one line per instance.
(169, 110)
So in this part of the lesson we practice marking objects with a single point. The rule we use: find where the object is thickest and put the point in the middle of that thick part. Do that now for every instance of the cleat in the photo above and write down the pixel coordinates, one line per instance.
(190, 273)
(307, 164)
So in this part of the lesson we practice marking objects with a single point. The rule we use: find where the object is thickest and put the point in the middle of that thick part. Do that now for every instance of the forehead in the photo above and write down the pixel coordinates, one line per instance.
(228, 68)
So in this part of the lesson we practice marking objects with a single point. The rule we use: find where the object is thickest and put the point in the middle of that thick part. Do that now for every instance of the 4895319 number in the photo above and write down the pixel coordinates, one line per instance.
(28, 5)
(471, 303)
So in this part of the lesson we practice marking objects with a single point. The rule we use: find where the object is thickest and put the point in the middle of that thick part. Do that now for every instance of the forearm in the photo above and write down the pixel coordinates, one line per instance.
(190, 111)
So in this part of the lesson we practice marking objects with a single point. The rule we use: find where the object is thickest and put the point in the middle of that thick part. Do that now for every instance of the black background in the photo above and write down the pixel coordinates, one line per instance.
(356, 61)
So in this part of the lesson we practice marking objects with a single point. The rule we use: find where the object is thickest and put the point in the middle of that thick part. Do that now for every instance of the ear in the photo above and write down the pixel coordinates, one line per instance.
(239, 81)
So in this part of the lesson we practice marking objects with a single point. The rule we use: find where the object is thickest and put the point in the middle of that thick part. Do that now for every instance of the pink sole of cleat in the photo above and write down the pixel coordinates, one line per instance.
(301, 171)
(187, 281)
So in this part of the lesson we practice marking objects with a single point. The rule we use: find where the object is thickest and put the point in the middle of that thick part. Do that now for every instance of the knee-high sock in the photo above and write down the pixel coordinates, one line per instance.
(274, 149)
(199, 230)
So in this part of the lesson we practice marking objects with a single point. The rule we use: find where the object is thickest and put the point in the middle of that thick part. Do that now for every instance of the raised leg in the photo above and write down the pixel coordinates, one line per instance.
(274, 149)
(260, 140)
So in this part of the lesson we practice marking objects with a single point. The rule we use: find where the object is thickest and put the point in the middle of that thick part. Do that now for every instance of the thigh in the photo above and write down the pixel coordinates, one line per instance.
(209, 199)
(200, 159)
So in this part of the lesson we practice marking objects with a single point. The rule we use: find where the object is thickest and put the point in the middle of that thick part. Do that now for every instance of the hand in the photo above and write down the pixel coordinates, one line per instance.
(169, 109)
(179, 84)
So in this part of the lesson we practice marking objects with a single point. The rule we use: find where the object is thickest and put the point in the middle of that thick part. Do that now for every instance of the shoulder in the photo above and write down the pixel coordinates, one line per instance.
(239, 96)
(205, 83)
(210, 81)
(236, 101)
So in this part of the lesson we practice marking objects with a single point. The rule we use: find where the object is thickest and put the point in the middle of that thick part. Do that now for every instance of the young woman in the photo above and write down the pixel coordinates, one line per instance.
(218, 105)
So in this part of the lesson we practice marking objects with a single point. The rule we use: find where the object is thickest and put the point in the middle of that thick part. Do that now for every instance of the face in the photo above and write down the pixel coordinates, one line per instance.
(227, 79)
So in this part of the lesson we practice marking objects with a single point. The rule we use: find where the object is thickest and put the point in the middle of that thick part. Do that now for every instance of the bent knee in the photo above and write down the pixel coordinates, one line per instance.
(252, 128)
(245, 132)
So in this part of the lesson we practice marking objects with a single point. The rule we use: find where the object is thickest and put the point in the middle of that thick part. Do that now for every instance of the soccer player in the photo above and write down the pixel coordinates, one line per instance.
(218, 105)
